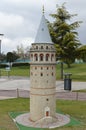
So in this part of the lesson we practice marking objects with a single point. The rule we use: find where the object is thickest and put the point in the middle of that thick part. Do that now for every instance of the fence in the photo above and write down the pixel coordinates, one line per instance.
(59, 95)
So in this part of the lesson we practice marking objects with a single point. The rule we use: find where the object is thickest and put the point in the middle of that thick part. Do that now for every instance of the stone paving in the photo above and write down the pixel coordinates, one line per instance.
(61, 120)
(23, 83)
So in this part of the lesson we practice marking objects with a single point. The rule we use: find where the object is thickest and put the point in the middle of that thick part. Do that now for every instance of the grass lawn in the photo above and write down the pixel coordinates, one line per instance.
(78, 71)
(17, 71)
(76, 109)
(82, 90)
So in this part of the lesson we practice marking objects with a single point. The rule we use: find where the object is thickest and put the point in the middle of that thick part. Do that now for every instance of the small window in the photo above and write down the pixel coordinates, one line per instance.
(41, 74)
(41, 68)
(47, 99)
(47, 68)
(52, 74)
(35, 68)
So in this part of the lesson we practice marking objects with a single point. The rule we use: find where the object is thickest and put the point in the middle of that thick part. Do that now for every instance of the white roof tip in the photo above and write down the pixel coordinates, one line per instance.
(43, 35)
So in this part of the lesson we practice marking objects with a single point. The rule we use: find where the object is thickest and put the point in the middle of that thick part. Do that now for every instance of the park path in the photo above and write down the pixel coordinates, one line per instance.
(20, 87)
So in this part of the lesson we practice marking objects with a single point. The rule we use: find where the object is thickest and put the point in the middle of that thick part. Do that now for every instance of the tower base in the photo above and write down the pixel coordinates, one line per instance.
(46, 122)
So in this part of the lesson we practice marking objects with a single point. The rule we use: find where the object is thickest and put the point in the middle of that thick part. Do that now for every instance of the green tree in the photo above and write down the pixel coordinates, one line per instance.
(81, 53)
(2, 57)
(64, 34)
(12, 56)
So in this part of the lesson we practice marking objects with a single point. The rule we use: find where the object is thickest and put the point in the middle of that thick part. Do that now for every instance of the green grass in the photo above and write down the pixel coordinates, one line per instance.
(17, 71)
(78, 71)
(82, 90)
(76, 109)
(7, 106)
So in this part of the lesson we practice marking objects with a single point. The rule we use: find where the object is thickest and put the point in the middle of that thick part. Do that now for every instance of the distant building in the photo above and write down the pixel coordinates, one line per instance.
(78, 61)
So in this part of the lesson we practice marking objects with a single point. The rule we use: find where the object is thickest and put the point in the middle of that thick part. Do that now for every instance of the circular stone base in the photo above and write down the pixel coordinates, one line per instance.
(24, 119)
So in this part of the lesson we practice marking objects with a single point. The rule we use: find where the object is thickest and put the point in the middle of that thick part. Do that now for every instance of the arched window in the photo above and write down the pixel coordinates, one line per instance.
(36, 57)
(41, 47)
(36, 47)
(46, 47)
(41, 57)
(52, 55)
(47, 57)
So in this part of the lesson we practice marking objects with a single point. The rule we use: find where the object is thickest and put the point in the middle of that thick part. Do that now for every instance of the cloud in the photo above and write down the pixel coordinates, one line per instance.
(10, 23)
(8, 44)
(10, 20)
(19, 19)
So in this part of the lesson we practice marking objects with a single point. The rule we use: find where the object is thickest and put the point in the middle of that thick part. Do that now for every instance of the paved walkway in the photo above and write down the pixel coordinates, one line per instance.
(23, 83)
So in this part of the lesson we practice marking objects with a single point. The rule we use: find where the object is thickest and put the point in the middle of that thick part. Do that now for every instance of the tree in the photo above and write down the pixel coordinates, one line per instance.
(23, 52)
(11, 57)
(2, 57)
(20, 51)
(64, 34)
(81, 53)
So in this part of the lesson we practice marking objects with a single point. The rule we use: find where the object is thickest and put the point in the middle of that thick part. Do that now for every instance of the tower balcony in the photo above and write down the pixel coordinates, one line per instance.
(42, 50)
(42, 62)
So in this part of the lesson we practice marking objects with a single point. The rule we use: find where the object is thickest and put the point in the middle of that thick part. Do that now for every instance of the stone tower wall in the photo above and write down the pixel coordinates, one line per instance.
(42, 77)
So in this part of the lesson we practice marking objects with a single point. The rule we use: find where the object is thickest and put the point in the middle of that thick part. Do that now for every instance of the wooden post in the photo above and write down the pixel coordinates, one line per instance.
(17, 93)
(76, 95)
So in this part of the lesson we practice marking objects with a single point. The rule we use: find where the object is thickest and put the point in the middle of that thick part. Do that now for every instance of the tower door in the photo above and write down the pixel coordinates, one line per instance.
(47, 113)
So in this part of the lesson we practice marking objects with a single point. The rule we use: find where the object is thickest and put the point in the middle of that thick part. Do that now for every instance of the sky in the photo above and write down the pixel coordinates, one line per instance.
(19, 20)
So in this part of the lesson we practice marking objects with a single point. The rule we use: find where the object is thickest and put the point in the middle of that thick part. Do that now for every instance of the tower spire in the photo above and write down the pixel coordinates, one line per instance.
(43, 35)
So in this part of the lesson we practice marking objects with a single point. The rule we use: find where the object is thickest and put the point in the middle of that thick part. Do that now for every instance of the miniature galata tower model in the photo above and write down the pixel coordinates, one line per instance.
(42, 76)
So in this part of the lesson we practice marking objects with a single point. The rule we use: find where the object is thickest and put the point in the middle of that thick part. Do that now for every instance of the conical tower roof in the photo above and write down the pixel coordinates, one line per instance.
(43, 35)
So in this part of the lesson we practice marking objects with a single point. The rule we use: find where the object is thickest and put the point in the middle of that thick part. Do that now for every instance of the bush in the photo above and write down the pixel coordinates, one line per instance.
(20, 64)
(3, 65)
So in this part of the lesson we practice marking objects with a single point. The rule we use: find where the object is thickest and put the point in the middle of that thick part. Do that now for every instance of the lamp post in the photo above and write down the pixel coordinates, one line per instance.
(61, 70)
(1, 36)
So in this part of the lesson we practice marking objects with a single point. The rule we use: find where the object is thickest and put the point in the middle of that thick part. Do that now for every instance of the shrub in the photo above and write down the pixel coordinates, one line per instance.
(20, 64)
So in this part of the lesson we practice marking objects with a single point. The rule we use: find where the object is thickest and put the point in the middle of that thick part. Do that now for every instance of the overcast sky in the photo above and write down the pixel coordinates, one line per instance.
(19, 19)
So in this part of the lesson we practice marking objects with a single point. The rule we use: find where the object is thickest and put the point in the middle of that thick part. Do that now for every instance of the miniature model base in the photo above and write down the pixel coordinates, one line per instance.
(60, 120)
